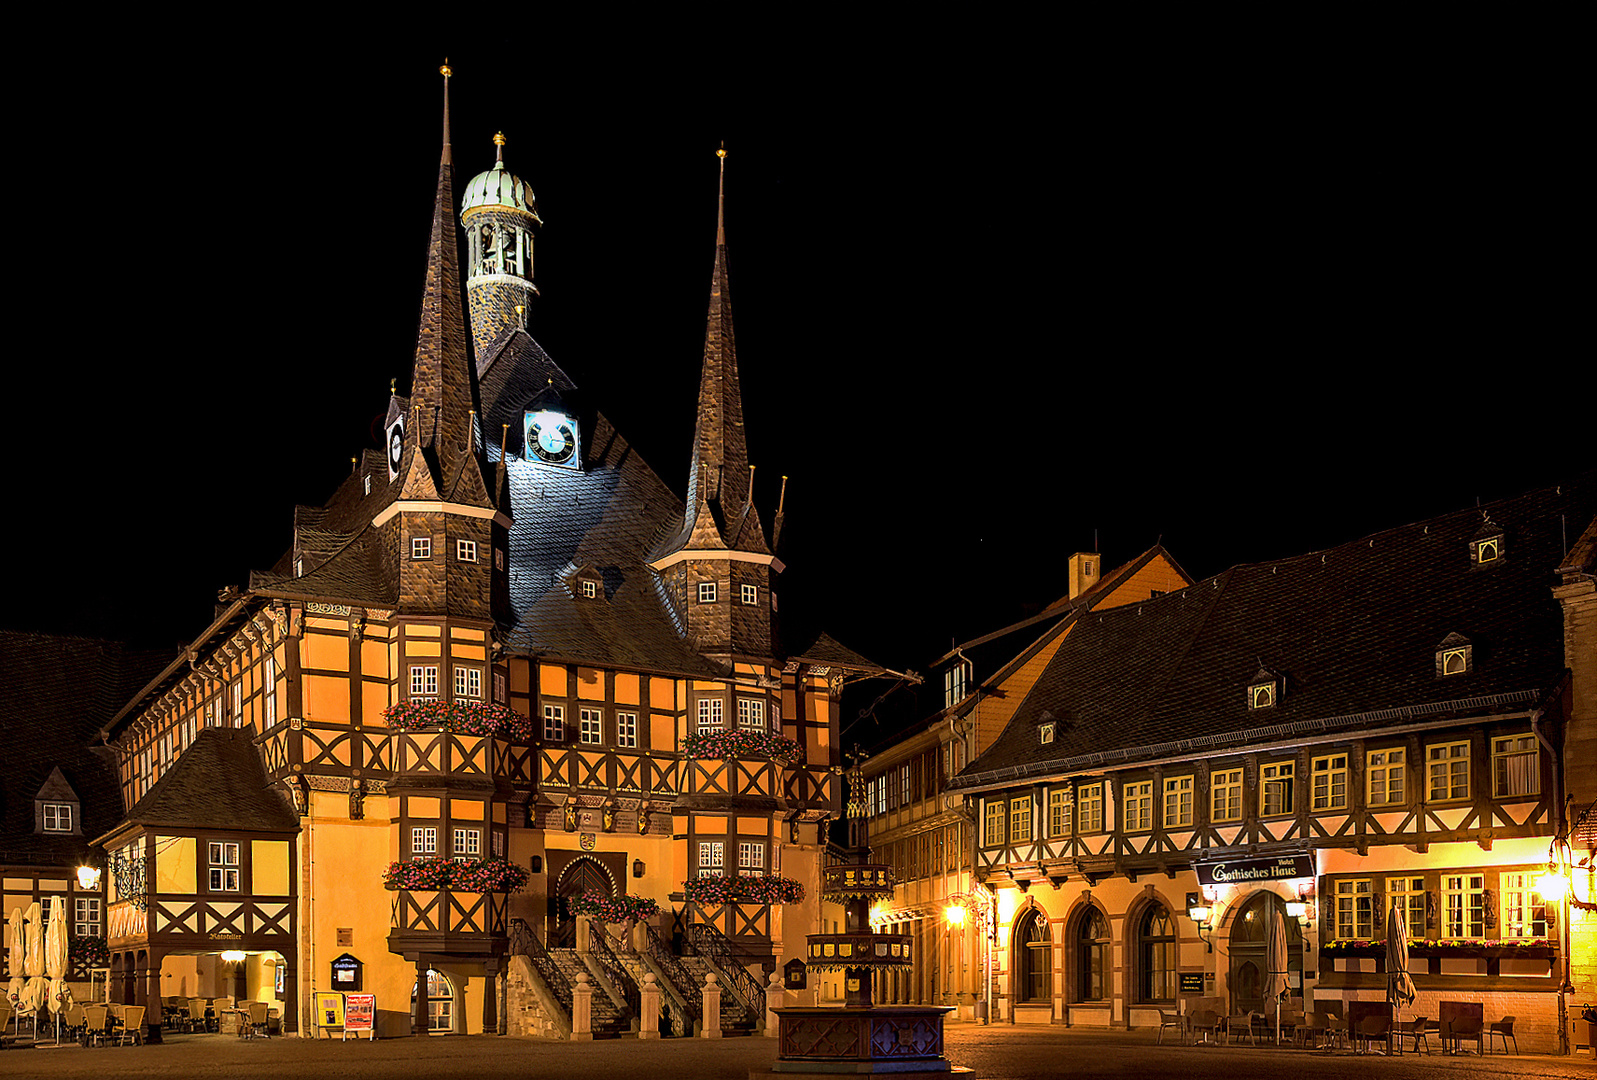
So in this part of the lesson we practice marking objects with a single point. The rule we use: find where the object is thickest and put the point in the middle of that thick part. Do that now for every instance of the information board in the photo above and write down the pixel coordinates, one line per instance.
(329, 1010)
(360, 1013)
(1192, 982)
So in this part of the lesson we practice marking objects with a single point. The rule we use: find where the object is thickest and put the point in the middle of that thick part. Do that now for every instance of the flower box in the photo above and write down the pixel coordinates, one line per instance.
(742, 889)
(461, 718)
(613, 909)
(459, 875)
(742, 743)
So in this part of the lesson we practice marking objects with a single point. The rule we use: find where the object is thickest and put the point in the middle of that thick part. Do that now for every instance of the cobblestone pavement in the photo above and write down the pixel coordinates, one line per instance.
(995, 1053)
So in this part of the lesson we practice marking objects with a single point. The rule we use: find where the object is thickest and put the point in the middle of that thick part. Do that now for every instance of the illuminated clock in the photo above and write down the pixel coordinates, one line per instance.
(552, 437)
(396, 446)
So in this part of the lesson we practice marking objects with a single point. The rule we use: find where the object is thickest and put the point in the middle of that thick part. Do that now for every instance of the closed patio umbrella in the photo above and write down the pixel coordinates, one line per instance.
(1399, 984)
(55, 960)
(1276, 981)
(19, 936)
(33, 948)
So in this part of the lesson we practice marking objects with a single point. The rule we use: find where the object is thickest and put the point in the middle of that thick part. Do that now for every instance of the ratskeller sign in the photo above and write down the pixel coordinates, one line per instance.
(1243, 871)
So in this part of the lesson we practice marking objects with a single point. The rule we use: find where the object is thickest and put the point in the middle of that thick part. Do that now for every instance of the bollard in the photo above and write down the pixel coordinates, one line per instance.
(712, 1007)
(649, 1022)
(582, 1009)
(774, 996)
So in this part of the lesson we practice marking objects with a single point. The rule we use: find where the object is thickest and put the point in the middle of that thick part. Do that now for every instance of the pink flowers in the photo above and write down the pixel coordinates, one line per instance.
(743, 890)
(742, 743)
(613, 909)
(461, 875)
(462, 718)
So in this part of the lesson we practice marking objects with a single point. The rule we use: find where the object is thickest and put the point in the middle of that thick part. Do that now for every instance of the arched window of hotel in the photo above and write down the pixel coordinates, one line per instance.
(1035, 961)
(1156, 955)
(1092, 957)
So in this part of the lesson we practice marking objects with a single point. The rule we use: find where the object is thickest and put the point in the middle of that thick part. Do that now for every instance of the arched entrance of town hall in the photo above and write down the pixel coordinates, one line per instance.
(1250, 957)
(581, 875)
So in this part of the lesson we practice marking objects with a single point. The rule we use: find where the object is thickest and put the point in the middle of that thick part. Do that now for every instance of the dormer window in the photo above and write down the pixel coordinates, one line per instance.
(590, 589)
(1264, 689)
(57, 817)
(55, 806)
(1454, 656)
(368, 483)
(1487, 547)
(1045, 733)
(954, 681)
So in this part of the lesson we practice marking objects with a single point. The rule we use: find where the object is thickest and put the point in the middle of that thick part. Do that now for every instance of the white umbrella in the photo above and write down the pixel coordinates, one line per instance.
(19, 934)
(33, 948)
(1399, 984)
(1277, 982)
(55, 960)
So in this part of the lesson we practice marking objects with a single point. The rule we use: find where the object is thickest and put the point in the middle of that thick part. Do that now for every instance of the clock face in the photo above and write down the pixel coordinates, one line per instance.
(552, 437)
(396, 447)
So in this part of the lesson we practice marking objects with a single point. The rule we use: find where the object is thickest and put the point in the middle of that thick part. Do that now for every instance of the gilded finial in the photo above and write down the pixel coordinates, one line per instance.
(447, 157)
(721, 152)
(499, 142)
(444, 70)
(393, 385)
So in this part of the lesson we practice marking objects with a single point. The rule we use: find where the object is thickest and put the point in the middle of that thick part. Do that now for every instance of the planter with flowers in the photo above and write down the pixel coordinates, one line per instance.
(452, 896)
(436, 737)
(738, 762)
(710, 891)
(624, 911)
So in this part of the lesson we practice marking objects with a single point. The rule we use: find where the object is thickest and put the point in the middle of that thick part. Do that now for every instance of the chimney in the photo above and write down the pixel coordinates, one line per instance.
(1085, 568)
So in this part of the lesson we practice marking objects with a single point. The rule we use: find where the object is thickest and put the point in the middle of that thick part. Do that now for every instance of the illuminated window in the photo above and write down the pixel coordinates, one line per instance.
(1463, 905)
(268, 688)
(468, 682)
(751, 594)
(751, 856)
(626, 729)
(1045, 733)
(590, 589)
(468, 843)
(1488, 550)
(954, 684)
(590, 726)
(1089, 808)
(499, 687)
(57, 817)
(1355, 909)
(421, 547)
(1447, 766)
(424, 841)
(423, 682)
(1275, 789)
(86, 916)
(1515, 766)
(223, 868)
(1059, 812)
(1138, 800)
(1328, 782)
(1455, 661)
(466, 550)
(710, 715)
(706, 592)
(1385, 771)
(1408, 894)
(751, 713)
(1261, 695)
(1225, 795)
(712, 858)
(1019, 820)
(993, 833)
(554, 723)
(1177, 802)
(1524, 910)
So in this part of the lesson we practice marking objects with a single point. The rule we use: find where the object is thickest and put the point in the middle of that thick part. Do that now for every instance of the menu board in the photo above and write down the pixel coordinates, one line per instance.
(360, 1010)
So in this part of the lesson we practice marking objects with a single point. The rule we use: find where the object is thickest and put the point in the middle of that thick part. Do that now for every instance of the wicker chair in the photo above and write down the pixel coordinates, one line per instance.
(132, 1025)
(1502, 1029)
(96, 1021)
(257, 1020)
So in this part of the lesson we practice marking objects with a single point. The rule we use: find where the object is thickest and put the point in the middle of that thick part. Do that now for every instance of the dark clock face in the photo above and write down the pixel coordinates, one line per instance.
(552, 437)
(396, 448)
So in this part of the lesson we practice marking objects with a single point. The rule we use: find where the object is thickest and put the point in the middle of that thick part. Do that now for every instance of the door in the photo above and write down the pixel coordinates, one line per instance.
(1250, 953)
(580, 876)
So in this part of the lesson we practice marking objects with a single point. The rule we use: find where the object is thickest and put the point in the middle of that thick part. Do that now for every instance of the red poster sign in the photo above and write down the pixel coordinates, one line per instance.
(359, 1010)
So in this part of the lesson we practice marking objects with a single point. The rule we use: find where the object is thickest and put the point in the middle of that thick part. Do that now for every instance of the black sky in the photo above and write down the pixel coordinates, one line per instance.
(993, 298)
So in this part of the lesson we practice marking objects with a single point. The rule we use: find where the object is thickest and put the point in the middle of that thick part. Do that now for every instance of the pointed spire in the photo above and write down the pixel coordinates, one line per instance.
(720, 201)
(445, 71)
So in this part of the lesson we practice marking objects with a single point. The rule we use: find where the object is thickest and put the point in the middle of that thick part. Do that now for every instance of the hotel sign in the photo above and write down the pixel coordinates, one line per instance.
(1246, 871)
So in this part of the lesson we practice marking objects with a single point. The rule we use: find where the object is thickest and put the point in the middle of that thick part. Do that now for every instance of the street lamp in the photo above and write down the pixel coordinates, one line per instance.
(1198, 910)
(88, 877)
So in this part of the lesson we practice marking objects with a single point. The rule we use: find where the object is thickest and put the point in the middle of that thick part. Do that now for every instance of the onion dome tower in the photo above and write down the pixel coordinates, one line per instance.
(500, 216)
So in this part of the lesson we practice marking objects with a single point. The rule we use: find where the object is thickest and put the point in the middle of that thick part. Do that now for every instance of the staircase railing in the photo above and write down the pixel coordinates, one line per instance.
(526, 943)
(687, 988)
(714, 946)
(616, 971)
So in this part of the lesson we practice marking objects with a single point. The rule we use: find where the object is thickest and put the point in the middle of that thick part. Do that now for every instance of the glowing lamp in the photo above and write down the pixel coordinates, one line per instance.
(1553, 885)
(233, 956)
(1296, 909)
(1199, 913)
(88, 877)
(956, 915)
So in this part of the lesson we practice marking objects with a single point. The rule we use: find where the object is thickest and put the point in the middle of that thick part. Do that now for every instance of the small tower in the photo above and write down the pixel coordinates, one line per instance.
(500, 216)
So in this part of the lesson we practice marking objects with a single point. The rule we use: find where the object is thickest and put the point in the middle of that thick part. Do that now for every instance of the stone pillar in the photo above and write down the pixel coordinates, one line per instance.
(584, 935)
(418, 1017)
(582, 1007)
(712, 1007)
(490, 998)
(649, 1004)
(153, 1014)
(773, 1001)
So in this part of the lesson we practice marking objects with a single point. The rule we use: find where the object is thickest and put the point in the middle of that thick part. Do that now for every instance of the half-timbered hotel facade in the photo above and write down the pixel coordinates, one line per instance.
(494, 642)
(1323, 736)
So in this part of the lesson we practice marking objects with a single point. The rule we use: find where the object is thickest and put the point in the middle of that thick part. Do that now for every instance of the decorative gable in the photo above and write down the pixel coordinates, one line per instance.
(1455, 655)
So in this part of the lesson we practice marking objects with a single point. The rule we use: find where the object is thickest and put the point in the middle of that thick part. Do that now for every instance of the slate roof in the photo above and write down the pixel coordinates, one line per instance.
(1352, 630)
(55, 694)
(217, 782)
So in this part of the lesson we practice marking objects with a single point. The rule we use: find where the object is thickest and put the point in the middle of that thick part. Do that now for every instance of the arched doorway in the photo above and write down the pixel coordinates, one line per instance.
(440, 1003)
(1250, 958)
(580, 876)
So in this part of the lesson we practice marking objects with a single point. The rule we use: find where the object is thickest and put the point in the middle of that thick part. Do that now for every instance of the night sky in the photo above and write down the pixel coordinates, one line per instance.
(986, 310)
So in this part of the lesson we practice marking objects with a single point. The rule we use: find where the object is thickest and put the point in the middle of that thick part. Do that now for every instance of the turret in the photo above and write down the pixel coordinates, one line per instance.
(500, 216)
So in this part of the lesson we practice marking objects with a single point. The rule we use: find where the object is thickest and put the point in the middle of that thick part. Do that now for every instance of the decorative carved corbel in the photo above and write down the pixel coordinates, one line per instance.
(357, 800)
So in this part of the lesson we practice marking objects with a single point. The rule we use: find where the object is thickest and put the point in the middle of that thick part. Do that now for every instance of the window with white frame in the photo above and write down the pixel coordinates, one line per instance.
(712, 858)
(236, 693)
(222, 866)
(1355, 908)
(751, 594)
(498, 843)
(86, 916)
(421, 547)
(954, 685)
(1020, 820)
(1137, 799)
(1447, 767)
(423, 682)
(590, 589)
(1408, 894)
(468, 682)
(269, 689)
(1463, 905)
(1385, 770)
(500, 687)
(424, 840)
(627, 729)
(554, 723)
(706, 592)
(1225, 795)
(710, 716)
(1515, 766)
(590, 726)
(751, 713)
(1089, 808)
(903, 785)
(881, 794)
(1177, 802)
(366, 483)
(468, 844)
(1275, 789)
(751, 856)
(1328, 782)
(466, 550)
(993, 832)
(1524, 909)
(1059, 812)
(57, 817)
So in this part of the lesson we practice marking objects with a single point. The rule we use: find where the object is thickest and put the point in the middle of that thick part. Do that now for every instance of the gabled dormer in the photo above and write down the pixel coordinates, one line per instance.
(1488, 547)
(1455, 655)
(1264, 689)
(57, 810)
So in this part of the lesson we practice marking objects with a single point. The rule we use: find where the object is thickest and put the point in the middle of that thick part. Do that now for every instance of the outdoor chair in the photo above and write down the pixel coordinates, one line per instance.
(257, 1021)
(1461, 1029)
(1416, 1029)
(1502, 1029)
(72, 1020)
(1205, 1026)
(1239, 1026)
(1175, 1021)
(132, 1025)
(1311, 1030)
(5, 1014)
(196, 1015)
(1372, 1029)
(95, 1021)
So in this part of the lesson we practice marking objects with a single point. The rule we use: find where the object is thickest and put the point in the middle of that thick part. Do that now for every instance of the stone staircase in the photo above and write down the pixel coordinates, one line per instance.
(734, 1020)
(607, 1020)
